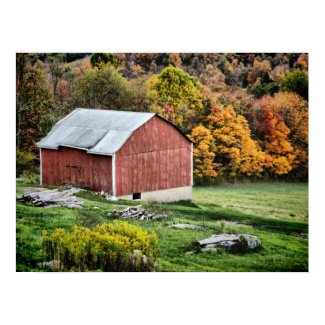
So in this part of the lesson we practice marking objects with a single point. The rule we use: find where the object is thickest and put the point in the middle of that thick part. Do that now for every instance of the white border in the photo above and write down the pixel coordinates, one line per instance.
(180, 298)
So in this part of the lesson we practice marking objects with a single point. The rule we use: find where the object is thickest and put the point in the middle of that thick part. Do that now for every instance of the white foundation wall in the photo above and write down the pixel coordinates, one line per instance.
(168, 195)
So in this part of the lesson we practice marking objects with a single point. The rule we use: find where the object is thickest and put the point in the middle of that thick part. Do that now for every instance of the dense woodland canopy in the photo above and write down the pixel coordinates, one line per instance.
(247, 114)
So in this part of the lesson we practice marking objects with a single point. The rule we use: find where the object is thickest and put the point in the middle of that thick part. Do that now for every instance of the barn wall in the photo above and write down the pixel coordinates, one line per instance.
(95, 172)
(155, 157)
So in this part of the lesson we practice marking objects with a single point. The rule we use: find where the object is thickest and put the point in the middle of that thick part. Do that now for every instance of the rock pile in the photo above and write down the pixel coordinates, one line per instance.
(230, 242)
(53, 198)
(136, 212)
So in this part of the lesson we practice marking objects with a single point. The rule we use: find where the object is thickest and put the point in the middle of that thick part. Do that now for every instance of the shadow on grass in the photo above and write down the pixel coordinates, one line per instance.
(263, 223)
(184, 204)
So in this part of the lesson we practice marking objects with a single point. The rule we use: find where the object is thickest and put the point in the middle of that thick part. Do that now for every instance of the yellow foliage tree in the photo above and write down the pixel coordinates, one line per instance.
(236, 152)
(203, 152)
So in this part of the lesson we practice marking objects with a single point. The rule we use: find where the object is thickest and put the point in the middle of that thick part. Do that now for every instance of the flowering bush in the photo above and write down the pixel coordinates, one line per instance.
(118, 246)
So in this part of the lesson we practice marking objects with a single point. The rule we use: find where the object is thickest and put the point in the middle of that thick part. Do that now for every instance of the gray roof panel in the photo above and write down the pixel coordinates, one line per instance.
(113, 139)
(64, 135)
(107, 119)
(97, 131)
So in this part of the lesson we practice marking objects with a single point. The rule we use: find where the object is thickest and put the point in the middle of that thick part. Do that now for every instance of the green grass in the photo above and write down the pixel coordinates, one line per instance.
(277, 213)
(280, 200)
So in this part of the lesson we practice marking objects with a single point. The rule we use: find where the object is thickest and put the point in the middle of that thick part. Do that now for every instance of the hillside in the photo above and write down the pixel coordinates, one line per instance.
(246, 113)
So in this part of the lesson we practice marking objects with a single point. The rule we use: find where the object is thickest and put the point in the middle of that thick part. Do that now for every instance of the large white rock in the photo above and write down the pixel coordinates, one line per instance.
(230, 242)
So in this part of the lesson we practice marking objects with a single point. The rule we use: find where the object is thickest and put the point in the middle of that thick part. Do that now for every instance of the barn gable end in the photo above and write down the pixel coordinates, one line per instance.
(156, 157)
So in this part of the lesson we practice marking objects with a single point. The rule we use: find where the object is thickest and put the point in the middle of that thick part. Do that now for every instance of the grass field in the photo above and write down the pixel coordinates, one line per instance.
(275, 212)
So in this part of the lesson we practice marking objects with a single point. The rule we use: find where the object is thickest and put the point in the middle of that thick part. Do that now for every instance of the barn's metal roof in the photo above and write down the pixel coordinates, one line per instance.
(100, 132)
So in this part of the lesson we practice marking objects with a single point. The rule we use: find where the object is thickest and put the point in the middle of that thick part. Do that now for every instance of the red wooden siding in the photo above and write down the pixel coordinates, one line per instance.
(95, 171)
(157, 156)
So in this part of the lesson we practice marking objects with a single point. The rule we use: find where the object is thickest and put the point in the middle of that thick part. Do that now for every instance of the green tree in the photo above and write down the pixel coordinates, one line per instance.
(297, 82)
(55, 64)
(33, 108)
(260, 89)
(102, 88)
(180, 92)
(100, 59)
(139, 90)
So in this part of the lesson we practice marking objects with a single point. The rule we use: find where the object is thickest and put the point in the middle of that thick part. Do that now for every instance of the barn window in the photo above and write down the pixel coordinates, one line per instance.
(136, 196)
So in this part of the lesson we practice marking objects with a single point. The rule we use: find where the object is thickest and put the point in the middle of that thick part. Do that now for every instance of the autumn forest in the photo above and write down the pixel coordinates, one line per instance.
(247, 114)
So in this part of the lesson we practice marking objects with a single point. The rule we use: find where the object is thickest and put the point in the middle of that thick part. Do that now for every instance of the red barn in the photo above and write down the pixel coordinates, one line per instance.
(130, 155)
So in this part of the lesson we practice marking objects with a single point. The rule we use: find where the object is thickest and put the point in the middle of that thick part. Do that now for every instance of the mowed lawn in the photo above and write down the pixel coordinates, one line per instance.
(275, 212)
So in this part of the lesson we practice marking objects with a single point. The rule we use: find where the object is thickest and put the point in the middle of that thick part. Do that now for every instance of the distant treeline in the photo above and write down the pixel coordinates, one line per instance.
(247, 113)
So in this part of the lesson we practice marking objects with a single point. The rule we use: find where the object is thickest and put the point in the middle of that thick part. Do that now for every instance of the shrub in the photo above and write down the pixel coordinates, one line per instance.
(25, 161)
(118, 246)
(30, 177)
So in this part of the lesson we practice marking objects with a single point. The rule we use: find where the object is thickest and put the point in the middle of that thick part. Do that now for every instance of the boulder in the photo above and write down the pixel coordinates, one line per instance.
(230, 242)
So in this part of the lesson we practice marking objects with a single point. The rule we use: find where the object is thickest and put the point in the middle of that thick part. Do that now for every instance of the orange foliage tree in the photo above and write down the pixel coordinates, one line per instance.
(236, 152)
(203, 152)
(294, 110)
(273, 132)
